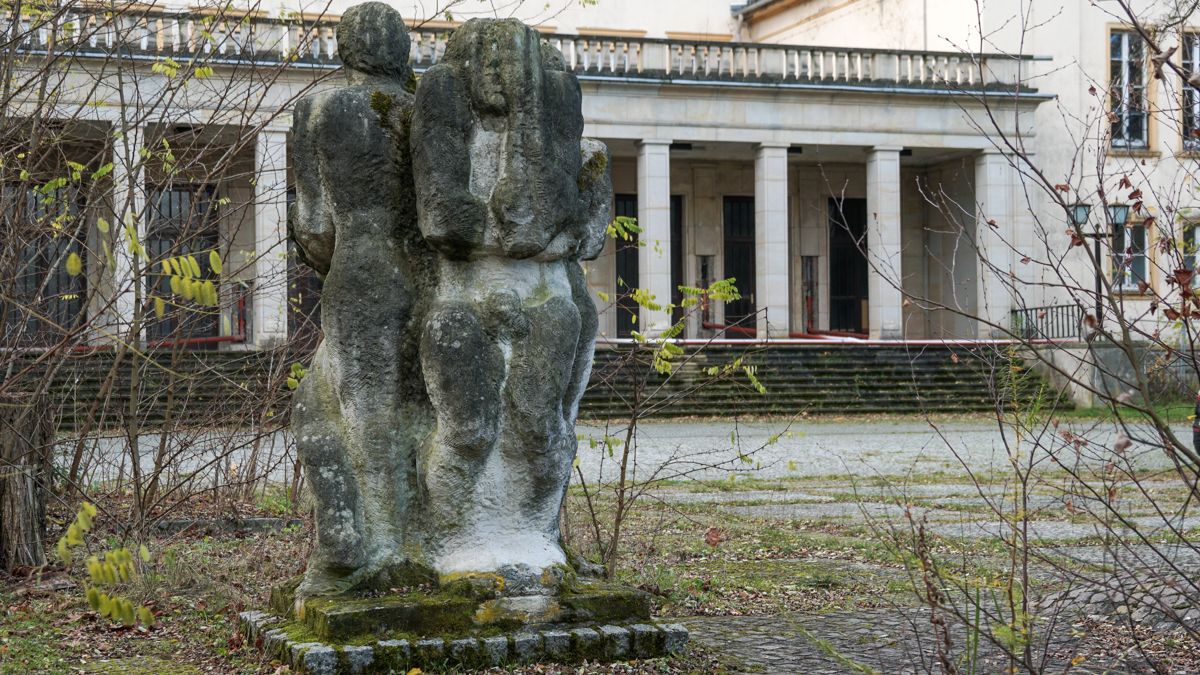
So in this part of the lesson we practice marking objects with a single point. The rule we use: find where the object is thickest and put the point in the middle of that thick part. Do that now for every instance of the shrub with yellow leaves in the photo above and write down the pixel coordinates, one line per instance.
(111, 571)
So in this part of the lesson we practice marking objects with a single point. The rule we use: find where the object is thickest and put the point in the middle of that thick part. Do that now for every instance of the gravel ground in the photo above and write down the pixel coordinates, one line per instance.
(693, 449)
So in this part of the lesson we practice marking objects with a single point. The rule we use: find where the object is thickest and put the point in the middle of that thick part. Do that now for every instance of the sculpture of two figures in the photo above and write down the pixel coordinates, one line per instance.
(436, 423)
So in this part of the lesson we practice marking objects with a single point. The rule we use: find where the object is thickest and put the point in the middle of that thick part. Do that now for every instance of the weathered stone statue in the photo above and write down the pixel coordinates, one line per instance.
(361, 414)
(437, 422)
(511, 200)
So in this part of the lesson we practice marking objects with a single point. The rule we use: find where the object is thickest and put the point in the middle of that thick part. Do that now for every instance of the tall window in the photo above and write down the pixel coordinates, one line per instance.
(41, 227)
(182, 222)
(1190, 230)
(1191, 97)
(1127, 89)
(1129, 256)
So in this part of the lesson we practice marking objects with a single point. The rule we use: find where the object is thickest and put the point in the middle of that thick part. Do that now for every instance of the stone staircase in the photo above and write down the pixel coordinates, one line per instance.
(234, 388)
(817, 379)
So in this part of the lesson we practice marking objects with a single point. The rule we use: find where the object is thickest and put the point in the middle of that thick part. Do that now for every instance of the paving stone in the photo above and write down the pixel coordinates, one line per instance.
(741, 496)
(842, 510)
(320, 660)
(463, 650)
(527, 647)
(358, 659)
(646, 640)
(587, 643)
(782, 644)
(394, 650)
(557, 645)
(616, 642)
(495, 650)
(296, 652)
(430, 649)
(675, 638)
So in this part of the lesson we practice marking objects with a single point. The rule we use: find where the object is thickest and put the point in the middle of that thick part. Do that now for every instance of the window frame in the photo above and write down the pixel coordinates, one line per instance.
(1123, 277)
(1189, 95)
(1120, 85)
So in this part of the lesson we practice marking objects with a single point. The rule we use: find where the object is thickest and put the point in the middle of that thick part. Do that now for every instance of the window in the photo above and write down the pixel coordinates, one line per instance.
(42, 227)
(1127, 89)
(1129, 256)
(1191, 97)
(1190, 230)
(182, 222)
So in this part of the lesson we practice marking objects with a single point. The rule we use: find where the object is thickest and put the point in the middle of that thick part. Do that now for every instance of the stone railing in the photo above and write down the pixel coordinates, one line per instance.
(220, 38)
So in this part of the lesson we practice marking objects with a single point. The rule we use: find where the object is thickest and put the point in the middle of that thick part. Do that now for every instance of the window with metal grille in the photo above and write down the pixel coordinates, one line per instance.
(182, 222)
(1127, 90)
(1129, 256)
(1191, 97)
(42, 227)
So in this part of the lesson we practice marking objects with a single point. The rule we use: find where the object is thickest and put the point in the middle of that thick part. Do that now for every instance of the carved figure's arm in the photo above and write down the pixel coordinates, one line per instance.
(596, 192)
(310, 222)
(451, 218)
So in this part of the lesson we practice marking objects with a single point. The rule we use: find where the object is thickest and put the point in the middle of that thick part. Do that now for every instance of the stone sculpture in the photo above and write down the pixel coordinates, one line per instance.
(436, 424)
(437, 421)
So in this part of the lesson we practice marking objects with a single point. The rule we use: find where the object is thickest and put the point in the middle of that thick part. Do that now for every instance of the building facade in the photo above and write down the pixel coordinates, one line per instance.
(852, 164)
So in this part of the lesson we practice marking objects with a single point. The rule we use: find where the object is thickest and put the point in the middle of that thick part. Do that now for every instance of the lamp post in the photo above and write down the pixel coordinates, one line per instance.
(1080, 213)
(1118, 215)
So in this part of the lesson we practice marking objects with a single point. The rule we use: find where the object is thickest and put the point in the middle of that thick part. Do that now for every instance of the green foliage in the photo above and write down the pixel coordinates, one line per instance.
(109, 574)
(296, 374)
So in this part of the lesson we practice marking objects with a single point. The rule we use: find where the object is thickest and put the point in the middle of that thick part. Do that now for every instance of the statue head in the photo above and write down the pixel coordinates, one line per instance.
(373, 39)
(503, 61)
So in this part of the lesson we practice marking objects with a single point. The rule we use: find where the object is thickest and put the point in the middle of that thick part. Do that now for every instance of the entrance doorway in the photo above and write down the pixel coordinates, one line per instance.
(848, 265)
(626, 206)
(739, 260)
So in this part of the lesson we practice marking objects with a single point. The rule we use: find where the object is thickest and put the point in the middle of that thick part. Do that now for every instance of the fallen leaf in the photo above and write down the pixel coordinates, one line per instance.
(712, 537)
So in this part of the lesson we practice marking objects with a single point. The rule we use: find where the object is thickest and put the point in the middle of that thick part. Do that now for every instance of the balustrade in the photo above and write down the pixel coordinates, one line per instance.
(226, 37)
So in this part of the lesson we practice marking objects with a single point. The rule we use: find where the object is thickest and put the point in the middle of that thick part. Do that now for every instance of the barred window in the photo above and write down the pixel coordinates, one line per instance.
(1191, 97)
(1129, 256)
(42, 226)
(182, 222)
(1127, 89)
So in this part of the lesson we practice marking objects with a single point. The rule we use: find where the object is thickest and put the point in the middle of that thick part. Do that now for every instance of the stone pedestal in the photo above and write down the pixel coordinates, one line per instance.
(460, 626)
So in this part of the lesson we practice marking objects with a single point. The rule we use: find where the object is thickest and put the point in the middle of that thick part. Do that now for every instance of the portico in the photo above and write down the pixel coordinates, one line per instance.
(828, 207)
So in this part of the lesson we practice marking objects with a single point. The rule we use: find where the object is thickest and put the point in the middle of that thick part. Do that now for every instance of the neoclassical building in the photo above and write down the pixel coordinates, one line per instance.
(849, 163)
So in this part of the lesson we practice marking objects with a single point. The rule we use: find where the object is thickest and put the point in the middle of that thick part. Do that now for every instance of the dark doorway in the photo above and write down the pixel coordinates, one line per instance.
(677, 255)
(626, 206)
(739, 260)
(847, 265)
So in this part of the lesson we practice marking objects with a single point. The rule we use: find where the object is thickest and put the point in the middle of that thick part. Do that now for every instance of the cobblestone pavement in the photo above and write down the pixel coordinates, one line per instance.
(888, 641)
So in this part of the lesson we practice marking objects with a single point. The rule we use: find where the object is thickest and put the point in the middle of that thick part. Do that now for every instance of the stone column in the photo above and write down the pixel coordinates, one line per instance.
(654, 217)
(883, 243)
(270, 238)
(128, 206)
(995, 197)
(771, 257)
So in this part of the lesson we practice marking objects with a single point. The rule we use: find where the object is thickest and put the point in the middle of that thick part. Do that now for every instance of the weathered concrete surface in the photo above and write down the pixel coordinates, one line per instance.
(512, 198)
(361, 413)
(437, 424)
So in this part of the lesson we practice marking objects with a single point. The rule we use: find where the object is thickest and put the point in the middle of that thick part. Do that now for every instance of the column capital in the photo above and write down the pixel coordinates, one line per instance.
(772, 145)
(886, 148)
(654, 142)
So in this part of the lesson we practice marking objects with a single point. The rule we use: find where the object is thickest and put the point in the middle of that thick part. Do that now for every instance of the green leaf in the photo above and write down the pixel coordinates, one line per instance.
(74, 264)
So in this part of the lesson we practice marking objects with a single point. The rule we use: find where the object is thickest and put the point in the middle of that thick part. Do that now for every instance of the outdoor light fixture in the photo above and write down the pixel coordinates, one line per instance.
(1080, 213)
(1119, 214)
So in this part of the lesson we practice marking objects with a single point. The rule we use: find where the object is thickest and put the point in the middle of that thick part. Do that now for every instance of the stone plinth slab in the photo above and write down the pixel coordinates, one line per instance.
(292, 643)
